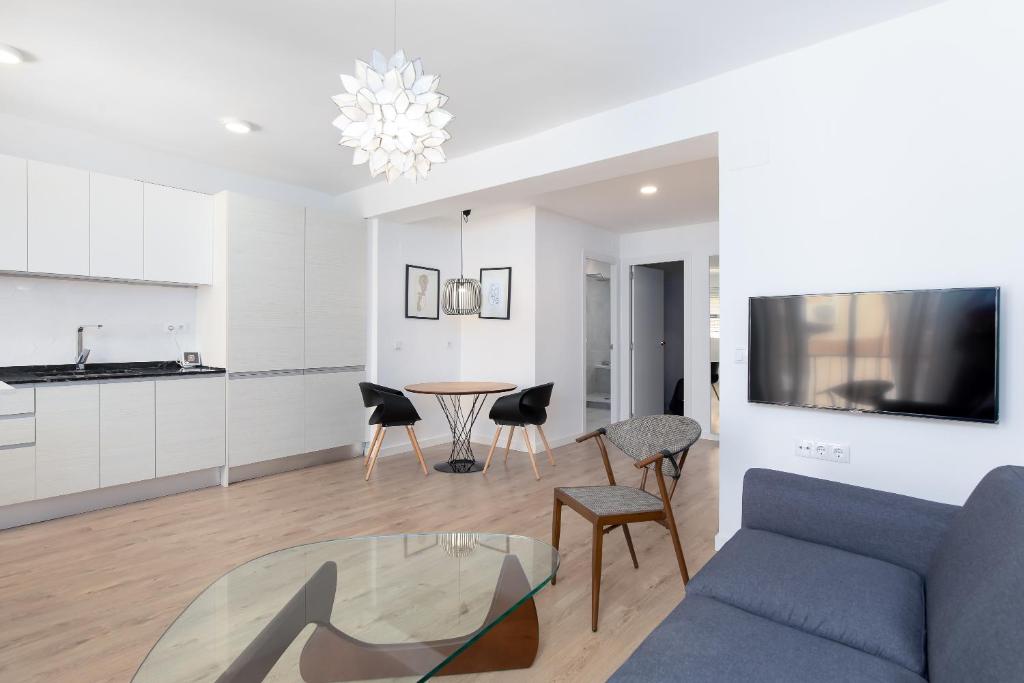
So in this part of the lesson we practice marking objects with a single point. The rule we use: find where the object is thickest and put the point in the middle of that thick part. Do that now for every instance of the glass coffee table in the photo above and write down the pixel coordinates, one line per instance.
(402, 607)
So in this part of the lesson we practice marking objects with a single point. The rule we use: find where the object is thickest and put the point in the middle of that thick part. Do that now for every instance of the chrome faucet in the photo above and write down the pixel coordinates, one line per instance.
(83, 353)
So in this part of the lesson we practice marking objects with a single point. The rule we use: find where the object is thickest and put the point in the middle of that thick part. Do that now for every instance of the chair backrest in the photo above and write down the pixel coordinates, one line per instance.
(538, 398)
(642, 437)
(973, 588)
(372, 393)
(678, 403)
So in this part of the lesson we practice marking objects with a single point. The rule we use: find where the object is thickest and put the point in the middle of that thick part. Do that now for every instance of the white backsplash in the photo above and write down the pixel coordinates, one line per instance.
(39, 317)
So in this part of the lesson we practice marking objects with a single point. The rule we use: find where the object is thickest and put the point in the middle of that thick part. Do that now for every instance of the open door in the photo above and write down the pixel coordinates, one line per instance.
(648, 340)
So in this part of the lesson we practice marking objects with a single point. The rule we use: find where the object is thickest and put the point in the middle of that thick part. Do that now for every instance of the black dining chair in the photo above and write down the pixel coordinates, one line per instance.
(678, 403)
(526, 407)
(391, 409)
(714, 379)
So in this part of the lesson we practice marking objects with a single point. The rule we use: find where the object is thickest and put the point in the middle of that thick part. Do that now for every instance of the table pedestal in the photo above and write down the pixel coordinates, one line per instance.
(461, 460)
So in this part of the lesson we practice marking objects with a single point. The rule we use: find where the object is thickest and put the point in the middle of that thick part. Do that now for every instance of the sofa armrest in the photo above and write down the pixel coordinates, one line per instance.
(898, 529)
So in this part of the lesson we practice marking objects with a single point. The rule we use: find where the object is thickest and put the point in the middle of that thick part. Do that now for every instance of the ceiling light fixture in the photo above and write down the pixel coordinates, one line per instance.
(237, 126)
(11, 55)
(648, 189)
(461, 295)
(392, 116)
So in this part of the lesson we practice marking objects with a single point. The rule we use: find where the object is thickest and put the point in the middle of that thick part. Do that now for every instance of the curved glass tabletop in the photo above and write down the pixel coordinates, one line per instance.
(395, 607)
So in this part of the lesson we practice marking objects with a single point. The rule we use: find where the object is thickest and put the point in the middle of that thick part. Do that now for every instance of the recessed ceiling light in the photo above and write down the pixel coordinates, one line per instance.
(237, 126)
(648, 189)
(10, 55)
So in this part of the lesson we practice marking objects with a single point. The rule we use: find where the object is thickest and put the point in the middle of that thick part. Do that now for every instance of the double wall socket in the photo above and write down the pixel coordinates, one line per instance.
(823, 450)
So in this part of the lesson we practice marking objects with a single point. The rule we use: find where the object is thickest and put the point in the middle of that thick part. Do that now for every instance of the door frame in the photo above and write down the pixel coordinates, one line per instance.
(625, 354)
(612, 261)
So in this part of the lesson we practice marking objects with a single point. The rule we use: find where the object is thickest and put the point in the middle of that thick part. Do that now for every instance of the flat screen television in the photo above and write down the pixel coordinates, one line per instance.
(928, 353)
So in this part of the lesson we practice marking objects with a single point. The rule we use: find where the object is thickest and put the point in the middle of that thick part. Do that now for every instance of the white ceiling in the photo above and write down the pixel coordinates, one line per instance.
(161, 74)
(687, 194)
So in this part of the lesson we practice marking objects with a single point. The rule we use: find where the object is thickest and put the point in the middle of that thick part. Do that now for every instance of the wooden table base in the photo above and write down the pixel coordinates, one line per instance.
(330, 656)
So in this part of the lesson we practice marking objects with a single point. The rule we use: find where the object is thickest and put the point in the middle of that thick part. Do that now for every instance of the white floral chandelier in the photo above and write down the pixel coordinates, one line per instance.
(391, 116)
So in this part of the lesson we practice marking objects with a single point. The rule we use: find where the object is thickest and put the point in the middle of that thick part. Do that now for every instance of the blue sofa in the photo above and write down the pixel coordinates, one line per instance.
(830, 582)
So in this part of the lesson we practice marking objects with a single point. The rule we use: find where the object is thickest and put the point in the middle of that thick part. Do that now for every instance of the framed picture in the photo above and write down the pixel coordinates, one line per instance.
(496, 291)
(422, 292)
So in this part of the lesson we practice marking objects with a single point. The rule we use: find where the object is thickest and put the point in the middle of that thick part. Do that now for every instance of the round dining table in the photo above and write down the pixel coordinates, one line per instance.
(449, 396)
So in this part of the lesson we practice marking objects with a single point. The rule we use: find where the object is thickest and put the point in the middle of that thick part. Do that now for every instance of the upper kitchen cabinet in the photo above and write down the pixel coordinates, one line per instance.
(13, 214)
(335, 290)
(265, 284)
(58, 219)
(115, 227)
(178, 235)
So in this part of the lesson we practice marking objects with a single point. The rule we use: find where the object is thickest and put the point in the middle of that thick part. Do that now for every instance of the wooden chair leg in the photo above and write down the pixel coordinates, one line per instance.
(490, 453)
(556, 531)
(629, 544)
(547, 446)
(376, 453)
(529, 449)
(371, 446)
(595, 590)
(674, 533)
(508, 444)
(416, 447)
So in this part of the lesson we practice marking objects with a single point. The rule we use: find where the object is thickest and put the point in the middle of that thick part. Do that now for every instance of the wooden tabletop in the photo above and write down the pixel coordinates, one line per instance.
(460, 388)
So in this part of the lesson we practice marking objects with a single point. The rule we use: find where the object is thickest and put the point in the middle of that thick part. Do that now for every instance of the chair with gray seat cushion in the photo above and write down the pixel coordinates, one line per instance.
(655, 442)
(830, 582)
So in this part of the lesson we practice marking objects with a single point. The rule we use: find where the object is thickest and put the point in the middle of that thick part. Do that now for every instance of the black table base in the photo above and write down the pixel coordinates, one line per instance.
(461, 460)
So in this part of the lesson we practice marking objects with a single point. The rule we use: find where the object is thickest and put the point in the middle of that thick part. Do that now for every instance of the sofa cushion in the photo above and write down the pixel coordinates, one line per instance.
(975, 586)
(706, 641)
(859, 601)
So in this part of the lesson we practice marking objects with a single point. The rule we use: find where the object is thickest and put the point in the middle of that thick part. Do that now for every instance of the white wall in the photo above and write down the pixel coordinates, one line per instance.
(886, 158)
(41, 315)
(563, 245)
(430, 349)
(694, 245)
(501, 350)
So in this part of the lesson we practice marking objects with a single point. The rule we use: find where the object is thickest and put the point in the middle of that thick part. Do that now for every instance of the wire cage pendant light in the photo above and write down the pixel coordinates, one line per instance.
(462, 295)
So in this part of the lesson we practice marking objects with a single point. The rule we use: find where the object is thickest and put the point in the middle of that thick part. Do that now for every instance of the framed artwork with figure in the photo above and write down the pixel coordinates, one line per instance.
(422, 292)
(496, 292)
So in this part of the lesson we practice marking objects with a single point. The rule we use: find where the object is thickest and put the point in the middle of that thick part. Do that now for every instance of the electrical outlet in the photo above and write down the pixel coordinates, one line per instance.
(821, 450)
(804, 448)
(839, 452)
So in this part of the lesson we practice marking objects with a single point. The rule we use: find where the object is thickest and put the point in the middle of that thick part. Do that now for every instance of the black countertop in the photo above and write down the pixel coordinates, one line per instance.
(34, 374)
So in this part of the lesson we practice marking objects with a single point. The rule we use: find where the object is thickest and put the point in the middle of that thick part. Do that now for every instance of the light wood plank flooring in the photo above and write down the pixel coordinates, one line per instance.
(84, 598)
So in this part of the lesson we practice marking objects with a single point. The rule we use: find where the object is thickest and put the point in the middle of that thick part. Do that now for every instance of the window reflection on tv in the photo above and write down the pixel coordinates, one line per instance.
(928, 353)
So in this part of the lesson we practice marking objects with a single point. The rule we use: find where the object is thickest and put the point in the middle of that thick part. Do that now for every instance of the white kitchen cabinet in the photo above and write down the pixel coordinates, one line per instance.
(335, 290)
(189, 424)
(58, 219)
(178, 235)
(115, 227)
(13, 213)
(334, 413)
(17, 431)
(17, 475)
(265, 307)
(265, 418)
(67, 439)
(21, 400)
(127, 428)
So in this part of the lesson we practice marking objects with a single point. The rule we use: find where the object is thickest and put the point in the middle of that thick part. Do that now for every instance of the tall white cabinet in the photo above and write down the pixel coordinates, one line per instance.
(115, 227)
(289, 284)
(58, 219)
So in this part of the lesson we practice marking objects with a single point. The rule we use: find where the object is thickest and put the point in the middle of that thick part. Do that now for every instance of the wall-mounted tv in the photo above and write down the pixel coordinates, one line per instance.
(927, 353)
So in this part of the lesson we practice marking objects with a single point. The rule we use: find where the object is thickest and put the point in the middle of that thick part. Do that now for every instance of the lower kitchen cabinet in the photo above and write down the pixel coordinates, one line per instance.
(265, 418)
(67, 439)
(189, 425)
(127, 424)
(335, 415)
(17, 475)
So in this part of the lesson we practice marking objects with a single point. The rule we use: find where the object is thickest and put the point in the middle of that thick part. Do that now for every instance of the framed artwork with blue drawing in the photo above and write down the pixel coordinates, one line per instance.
(496, 291)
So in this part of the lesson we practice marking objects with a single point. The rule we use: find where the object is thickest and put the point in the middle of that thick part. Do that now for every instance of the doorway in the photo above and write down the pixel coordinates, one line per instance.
(658, 332)
(598, 361)
(714, 309)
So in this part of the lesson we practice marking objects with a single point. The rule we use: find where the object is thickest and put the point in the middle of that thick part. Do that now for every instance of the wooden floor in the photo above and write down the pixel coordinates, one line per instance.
(84, 598)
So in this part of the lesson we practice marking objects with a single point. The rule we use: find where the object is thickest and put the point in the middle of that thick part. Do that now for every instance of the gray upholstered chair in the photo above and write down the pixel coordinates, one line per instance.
(655, 442)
